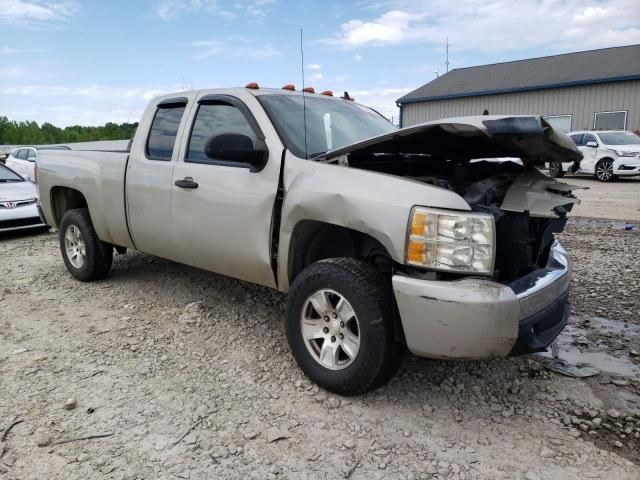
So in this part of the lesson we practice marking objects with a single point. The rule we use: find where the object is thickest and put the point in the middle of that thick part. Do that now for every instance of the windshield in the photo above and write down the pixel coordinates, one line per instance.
(331, 123)
(7, 175)
(619, 138)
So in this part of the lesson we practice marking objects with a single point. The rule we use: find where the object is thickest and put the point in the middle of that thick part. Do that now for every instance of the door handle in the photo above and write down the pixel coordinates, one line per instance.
(186, 183)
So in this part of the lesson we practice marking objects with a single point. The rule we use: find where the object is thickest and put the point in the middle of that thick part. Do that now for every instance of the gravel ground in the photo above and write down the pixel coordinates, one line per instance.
(182, 373)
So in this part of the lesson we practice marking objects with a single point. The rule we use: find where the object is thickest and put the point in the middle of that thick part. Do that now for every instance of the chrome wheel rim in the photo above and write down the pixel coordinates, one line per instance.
(604, 170)
(74, 246)
(554, 169)
(330, 329)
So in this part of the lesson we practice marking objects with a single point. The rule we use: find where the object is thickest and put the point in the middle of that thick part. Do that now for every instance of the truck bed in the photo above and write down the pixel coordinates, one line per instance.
(99, 176)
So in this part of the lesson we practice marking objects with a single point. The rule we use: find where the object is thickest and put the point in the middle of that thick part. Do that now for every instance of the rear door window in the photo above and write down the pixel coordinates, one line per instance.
(164, 129)
(588, 138)
(23, 154)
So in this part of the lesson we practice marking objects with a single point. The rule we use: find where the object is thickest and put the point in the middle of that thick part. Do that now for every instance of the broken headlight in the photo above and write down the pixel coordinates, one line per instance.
(451, 241)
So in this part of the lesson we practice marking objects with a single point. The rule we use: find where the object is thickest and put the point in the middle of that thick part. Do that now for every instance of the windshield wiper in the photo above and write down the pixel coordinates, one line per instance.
(316, 155)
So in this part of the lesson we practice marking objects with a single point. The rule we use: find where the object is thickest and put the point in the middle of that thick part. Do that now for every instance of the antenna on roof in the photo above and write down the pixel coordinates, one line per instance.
(304, 102)
(447, 61)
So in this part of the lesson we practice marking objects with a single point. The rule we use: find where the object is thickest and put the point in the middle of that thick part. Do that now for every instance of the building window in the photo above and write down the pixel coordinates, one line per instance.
(610, 120)
(560, 123)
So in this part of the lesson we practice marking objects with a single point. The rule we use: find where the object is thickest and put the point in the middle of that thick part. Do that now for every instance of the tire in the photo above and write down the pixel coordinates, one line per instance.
(369, 297)
(604, 170)
(93, 257)
(555, 170)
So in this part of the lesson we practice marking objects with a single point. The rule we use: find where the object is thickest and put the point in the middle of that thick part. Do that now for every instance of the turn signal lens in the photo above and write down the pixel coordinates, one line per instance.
(252, 85)
(309, 90)
(289, 86)
(328, 93)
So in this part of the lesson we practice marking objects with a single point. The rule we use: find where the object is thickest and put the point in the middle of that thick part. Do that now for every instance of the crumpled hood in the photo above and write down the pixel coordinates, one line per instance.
(18, 191)
(530, 138)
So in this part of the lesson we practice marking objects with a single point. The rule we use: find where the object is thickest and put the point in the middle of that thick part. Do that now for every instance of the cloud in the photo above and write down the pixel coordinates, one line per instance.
(316, 76)
(11, 72)
(15, 51)
(495, 25)
(357, 57)
(171, 9)
(233, 48)
(16, 12)
(382, 99)
(64, 105)
(314, 66)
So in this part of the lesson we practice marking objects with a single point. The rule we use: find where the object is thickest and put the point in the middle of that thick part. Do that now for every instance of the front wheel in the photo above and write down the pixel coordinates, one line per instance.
(604, 170)
(87, 258)
(555, 170)
(340, 326)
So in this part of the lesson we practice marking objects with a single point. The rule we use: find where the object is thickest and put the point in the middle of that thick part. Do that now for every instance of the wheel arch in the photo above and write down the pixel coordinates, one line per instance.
(64, 199)
(313, 240)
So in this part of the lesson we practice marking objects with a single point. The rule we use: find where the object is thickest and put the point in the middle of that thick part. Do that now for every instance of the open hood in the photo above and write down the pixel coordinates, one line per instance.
(530, 138)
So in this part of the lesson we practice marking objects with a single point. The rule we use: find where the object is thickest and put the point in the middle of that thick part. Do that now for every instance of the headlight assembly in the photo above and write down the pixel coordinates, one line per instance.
(620, 153)
(451, 241)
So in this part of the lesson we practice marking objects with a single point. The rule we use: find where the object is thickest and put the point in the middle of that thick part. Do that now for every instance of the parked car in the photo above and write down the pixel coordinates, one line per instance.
(606, 155)
(23, 160)
(18, 202)
(384, 238)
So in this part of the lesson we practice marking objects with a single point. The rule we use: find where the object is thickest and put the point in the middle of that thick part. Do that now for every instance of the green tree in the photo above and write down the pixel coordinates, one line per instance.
(30, 133)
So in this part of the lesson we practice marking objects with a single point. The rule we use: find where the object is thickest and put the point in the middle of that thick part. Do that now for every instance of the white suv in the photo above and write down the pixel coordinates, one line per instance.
(607, 154)
(23, 160)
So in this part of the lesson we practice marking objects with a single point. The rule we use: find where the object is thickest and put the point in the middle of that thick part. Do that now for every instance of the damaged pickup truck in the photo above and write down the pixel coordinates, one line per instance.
(385, 239)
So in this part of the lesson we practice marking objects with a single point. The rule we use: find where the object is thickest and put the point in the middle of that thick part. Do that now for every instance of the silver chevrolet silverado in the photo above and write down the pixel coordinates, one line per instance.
(436, 238)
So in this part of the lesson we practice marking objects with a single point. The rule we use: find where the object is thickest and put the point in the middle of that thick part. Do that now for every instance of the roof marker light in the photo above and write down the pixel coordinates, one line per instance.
(328, 93)
(289, 86)
(252, 85)
(309, 90)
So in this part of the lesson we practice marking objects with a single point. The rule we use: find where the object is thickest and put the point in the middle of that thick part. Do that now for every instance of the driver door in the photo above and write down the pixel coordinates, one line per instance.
(221, 211)
(590, 153)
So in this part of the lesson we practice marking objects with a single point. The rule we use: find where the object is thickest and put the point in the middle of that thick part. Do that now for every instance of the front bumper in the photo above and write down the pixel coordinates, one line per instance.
(21, 217)
(478, 318)
(626, 167)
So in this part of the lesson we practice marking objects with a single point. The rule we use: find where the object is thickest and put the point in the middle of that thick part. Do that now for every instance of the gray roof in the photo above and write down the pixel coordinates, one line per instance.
(579, 68)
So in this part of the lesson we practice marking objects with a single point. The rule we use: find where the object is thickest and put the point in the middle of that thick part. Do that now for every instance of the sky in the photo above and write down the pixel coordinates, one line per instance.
(73, 62)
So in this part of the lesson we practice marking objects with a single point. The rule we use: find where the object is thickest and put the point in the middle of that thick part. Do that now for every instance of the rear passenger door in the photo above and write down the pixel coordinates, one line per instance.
(221, 211)
(149, 177)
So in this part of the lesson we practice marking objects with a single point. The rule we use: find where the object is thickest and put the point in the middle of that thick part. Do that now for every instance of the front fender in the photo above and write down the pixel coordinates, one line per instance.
(372, 203)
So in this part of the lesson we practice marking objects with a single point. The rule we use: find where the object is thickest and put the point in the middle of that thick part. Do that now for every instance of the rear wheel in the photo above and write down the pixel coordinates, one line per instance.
(340, 326)
(87, 258)
(555, 170)
(604, 170)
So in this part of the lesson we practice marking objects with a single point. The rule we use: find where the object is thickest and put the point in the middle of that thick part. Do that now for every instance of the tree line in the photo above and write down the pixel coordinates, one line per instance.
(30, 133)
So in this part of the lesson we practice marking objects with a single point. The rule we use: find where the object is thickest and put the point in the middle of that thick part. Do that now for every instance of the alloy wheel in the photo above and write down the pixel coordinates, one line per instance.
(330, 329)
(604, 171)
(74, 246)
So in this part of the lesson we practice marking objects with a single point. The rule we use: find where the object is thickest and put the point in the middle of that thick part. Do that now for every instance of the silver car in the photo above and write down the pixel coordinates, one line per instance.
(19, 207)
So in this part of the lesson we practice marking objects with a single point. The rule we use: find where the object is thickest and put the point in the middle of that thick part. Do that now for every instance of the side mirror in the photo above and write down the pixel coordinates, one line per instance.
(237, 149)
(592, 144)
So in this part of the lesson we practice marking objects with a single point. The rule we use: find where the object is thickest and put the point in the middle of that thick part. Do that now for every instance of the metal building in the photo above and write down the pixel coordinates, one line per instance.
(596, 89)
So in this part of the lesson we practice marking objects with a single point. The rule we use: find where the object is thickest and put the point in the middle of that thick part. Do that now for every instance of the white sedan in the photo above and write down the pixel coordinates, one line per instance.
(23, 160)
(607, 155)
(19, 207)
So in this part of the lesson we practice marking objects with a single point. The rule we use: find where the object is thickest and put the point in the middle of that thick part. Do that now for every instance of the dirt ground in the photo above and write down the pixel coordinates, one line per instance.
(619, 200)
(180, 373)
